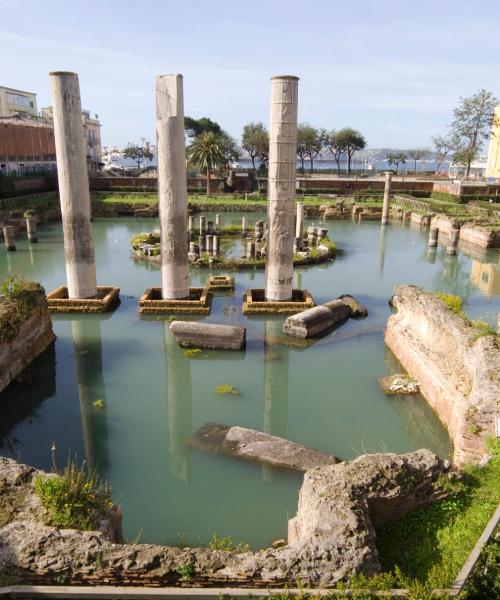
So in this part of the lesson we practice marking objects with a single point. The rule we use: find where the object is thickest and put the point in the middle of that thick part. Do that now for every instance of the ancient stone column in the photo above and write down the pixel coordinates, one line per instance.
(9, 237)
(202, 224)
(191, 226)
(202, 241)
(244, 225)
(433, 236)
(299, 221)
(250, 250)
(172, 186)
(31, 229)
(387, 196)
(281, 194)
(216, 245)
(218, 223)
(210, 243)
(73, 180)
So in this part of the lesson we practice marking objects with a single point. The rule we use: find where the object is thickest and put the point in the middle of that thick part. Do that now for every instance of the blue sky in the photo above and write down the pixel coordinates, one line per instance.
(393, 70)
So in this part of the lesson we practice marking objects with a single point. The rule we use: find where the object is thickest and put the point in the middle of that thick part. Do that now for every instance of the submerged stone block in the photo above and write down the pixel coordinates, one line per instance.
(191, 334)
(221, 282)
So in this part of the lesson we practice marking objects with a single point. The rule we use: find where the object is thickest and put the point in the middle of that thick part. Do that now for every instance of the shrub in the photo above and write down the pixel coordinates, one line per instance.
(226, 544)
(73, 499)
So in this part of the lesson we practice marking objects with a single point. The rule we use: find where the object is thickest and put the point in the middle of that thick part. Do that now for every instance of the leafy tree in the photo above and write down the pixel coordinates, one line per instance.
(396, 158)
(350, 141)
(471, 126)
(309, 143)
(229, 148)
(331, 142)
(139, 153)
(207, 151)
(195, 127)
(417, 154)
(255, 140)
(443, 145)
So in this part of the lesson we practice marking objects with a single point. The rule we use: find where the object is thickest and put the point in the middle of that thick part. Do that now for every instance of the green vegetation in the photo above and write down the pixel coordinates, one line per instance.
(227, 389)
(226, 544)
(73, 498)
(483, 328)
(18, 298)
(430, 545)
(186, 572)
(454, 303)
(192, 353)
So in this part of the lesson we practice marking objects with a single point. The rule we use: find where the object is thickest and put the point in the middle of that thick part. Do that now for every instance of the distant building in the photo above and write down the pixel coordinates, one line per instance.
(92, 133)
(14, 103)
(477, 169)
(493, 168)
(26, 146)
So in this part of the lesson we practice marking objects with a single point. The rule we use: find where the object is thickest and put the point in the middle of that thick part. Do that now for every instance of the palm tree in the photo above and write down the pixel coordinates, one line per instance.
(207, 153)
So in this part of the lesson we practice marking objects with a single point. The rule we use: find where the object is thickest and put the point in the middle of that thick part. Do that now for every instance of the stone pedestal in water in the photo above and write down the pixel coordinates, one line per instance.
(73, 185)
(282, 174)
(172, 190)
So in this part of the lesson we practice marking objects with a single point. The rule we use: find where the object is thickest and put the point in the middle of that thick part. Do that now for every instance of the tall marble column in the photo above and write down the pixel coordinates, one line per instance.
(172, 186)
(73, 185)
(281, 184)
(387, 196)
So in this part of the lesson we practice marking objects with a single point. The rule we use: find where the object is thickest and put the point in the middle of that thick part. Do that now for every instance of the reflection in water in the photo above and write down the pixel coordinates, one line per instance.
(21, 400)
(91, 391)
(431, 254)
(180, 410)
(383, 235)
(276, 376)
(418, 420)
(486, 277)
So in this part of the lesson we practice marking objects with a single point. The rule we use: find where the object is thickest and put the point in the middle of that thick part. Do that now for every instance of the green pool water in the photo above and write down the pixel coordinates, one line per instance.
(154, 397)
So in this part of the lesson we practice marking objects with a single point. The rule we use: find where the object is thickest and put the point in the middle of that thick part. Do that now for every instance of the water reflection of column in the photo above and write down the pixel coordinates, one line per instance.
(276, 373)
(91, 391)
(383, 233)
(179, 407)
(298, 278)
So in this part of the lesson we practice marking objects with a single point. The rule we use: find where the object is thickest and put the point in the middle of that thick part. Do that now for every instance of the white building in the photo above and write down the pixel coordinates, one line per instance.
(17, 103)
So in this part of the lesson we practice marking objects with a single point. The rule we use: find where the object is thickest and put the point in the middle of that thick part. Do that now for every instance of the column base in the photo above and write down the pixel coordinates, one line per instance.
(199, 302)
(255, 303)
(108, 298)
(220, 282)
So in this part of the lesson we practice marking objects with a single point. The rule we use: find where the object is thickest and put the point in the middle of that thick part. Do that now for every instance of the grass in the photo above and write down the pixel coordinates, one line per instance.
(430, 545)
(226, 544)
(18, 298)
(454, 303)
(73, 498)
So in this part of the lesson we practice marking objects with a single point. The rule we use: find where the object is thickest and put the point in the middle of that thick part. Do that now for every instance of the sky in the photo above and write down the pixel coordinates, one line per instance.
(393, 70)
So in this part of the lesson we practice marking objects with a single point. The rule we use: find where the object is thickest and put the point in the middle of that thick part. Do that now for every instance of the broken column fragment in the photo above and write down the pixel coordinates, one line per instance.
(314, 321)
(257, 446)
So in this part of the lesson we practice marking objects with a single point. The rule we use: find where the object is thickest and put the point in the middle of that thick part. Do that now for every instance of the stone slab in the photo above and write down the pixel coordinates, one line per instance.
(192, 334)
